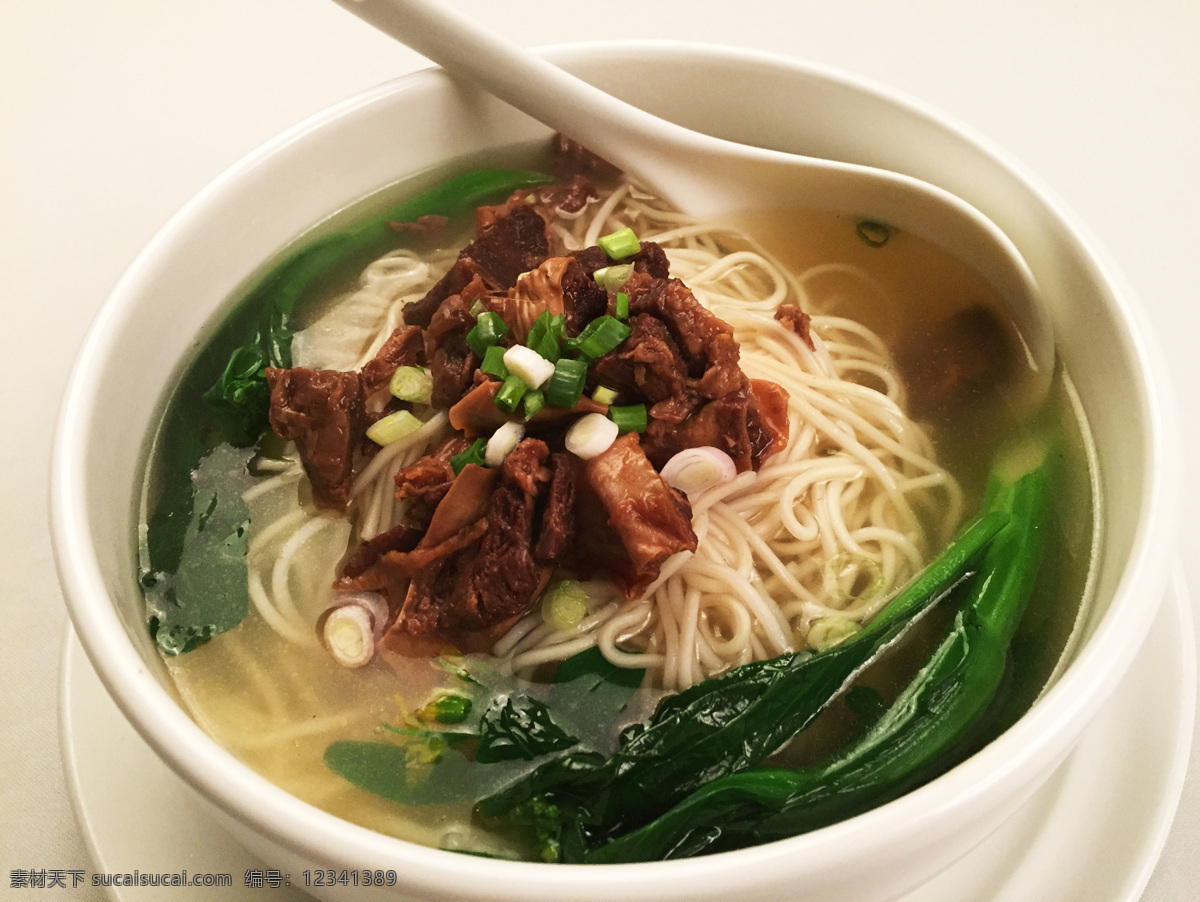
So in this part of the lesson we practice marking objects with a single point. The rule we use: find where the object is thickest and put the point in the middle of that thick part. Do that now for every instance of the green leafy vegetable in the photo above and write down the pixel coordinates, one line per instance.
(519, 727)
(424, 772)
(207, 594)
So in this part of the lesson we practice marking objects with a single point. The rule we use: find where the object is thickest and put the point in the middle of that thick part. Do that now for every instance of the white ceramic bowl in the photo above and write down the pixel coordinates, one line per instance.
(171, 293)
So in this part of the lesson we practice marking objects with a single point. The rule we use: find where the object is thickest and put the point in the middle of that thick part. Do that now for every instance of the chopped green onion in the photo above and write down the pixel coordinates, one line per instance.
(393, 427)
(566, 385)
(564, 605)
(629, 419)
(493, 363)
(590, 435)
(527, 363)
(477, 307)
(545, 333)
(875, 234)
(534, 401)
(830, 631)
(502, 442)
(601, 335)
(613, 278)
(621, 306)
(412, 383)
(472, 455)
(510, 393)
(448, 708)
(604, 395)
(489, 328)
(620, 245)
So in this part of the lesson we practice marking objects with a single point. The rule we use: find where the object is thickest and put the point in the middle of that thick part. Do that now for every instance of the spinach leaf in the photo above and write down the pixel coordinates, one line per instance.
(207, 594)
(519, 727)
(399, 773)
(589, 694)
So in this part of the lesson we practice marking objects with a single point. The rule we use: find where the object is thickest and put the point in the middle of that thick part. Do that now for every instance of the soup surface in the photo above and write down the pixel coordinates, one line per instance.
(900, 383)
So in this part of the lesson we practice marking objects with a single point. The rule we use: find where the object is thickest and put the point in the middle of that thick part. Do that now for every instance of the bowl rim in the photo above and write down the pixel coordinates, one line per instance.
(260, 805)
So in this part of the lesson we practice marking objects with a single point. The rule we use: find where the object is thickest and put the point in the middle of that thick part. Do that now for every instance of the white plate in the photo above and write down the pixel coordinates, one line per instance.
(1093, 831)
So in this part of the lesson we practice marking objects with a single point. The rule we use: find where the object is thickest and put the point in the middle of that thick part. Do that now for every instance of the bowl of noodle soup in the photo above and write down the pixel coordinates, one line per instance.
(797, 551)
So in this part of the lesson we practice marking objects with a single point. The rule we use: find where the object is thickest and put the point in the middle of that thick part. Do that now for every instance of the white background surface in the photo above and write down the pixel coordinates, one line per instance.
(114, 112)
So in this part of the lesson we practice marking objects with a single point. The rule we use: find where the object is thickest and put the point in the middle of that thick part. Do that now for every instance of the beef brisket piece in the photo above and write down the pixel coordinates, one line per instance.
(474, 573)
(404, 347)
(426, 481)
(505, 247)
(322, 412)
(559, 527)
(632, 519)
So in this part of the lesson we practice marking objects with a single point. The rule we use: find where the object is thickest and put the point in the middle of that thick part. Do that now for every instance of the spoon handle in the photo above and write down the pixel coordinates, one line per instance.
(607, 126)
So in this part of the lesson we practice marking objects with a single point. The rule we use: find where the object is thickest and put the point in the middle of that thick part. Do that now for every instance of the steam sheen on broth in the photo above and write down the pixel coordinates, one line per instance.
(880, 301)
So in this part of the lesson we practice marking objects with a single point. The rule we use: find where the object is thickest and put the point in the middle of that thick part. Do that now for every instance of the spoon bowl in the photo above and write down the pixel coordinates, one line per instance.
(711, 178)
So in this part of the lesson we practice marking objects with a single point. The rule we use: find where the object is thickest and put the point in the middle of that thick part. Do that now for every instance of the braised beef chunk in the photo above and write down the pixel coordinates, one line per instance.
(648, 364)
(401, 537)
(425, 482)
(570, 196)
(944, 366)
(769, 429)
(790, 316)
(422, 226)
(322, 412)
(685, 362)
(556, 536)
(583, 299)
(488, 576)
(652, 260)
(721, 423)
(632, 519)
(458, 277)
(404, 347)
(591, 259)
(509, 244)
(452, 363)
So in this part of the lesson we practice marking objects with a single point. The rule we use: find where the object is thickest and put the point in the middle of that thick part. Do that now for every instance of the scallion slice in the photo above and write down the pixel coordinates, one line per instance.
(604, 395)
(601, 335)
(533, 401)
(493, 363)
(621, 306)
(630, 418)
(510, 393)
(412, 383)
(527, 363)
(565, 604)
(472, 455)
(393, 427)
(620, 244)
(502, 442)
(590, 435)
(566, 385)
(489, 328)
(613, 278)
(545, 334)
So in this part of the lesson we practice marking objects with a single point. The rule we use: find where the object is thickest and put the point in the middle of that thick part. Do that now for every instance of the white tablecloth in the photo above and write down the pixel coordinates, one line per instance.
(114, 112)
